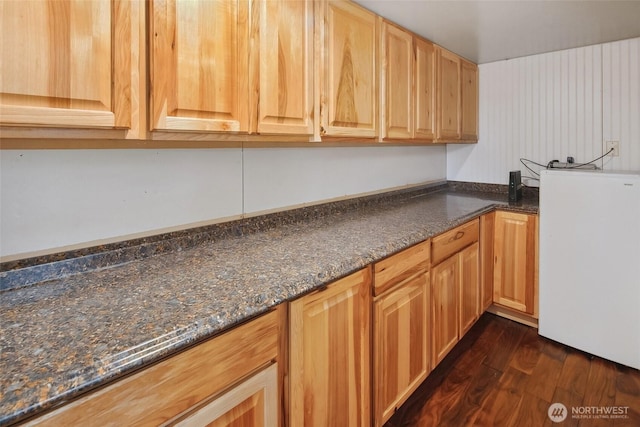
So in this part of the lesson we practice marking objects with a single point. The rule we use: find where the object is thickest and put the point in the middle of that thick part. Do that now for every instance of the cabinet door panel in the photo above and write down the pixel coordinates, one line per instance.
(469, 101)
(469, 288)
(424, 90)
(199, 65)
(284, 60)
(487, 222)
(401, 350)
(448, 95)
(330, 354)
(397, 82)
(444, 312)
(66, 63)
(515, 261)
(254, 402)
(349, 102)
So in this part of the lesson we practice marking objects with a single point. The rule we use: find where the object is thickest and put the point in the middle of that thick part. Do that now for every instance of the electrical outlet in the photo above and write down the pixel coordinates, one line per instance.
(615, 146)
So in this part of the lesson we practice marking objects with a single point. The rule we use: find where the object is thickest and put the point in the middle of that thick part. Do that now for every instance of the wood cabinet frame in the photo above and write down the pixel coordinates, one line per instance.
(65, 107)
(401, 326)
(329, 356)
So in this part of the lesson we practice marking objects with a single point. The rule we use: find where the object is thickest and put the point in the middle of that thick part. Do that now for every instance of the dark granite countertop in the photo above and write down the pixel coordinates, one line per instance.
(67, 335)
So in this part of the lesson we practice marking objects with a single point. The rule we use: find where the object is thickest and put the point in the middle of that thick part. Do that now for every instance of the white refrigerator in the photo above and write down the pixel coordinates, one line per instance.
(589, 277)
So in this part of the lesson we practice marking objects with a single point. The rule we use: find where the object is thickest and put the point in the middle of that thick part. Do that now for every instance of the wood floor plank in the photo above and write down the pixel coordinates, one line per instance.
(532, 412)
(630, 419)
(554, 349)
(508, 341)
(497, 408)
(544, 377)
(575, 372)
(445, 397)
(628, 396)
(602, 383)
(527, 354)
(569, 400)
(480, 385)
(627, 386)
(494, 378)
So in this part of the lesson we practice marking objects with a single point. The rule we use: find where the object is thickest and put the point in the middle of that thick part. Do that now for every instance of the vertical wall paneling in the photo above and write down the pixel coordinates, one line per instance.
(621, 102)
(554, 105)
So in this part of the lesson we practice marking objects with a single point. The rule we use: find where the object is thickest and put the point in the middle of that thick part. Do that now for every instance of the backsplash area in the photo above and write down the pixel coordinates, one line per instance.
(55, 200)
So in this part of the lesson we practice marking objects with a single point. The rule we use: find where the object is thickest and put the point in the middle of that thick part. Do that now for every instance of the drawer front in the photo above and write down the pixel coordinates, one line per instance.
(158, 393)
(447, 244)
(397, 268)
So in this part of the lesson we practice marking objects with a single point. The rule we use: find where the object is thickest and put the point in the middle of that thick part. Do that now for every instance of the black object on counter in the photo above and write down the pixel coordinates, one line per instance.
(515, 186)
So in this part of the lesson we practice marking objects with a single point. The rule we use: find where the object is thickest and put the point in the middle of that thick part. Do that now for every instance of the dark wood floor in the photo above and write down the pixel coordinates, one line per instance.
(503, 373)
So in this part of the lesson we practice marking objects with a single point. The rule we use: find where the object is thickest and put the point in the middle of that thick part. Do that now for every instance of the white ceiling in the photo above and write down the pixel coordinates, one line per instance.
(488, 30)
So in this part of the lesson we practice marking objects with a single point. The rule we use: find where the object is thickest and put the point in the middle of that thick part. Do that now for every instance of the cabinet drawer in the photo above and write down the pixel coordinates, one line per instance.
(169, 388)
(447, 244)
(397, 268)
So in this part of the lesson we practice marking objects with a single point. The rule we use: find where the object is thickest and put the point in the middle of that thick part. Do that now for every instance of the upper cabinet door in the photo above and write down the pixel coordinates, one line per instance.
(283, 59)
(65, 63)
(425, 96)
(448, 98)
(469, 101)
(199, 65)
(397, 82)
(349, 84)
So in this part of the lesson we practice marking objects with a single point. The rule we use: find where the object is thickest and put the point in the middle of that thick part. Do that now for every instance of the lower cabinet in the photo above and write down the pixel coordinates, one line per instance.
(515, 261)
(455, 287)
(329, 354)
(444, 308)
(226, 380)
(468, 288)
(254, 402)
(400, 329)
(487, 230)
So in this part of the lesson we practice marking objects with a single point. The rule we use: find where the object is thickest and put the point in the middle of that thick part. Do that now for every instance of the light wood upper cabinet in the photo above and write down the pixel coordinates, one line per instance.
(199, 65)
(283, 58)
(448, 95)
(425, 93)
(348, 61)
(457, 98)
(515, 266)
(397, 92)
(469, 101)
(401, 341)
(407, 93)
(329, 355)
(67, 63)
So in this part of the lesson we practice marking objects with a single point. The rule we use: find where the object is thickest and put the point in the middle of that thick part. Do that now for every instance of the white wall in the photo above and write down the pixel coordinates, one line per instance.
(52, 199)
(551, 106)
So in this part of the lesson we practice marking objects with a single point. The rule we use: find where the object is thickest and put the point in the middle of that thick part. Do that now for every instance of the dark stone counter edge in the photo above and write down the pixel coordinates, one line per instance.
(90, 379)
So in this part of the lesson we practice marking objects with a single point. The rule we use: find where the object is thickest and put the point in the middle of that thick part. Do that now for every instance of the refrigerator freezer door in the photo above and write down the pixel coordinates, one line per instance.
(590, 262)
